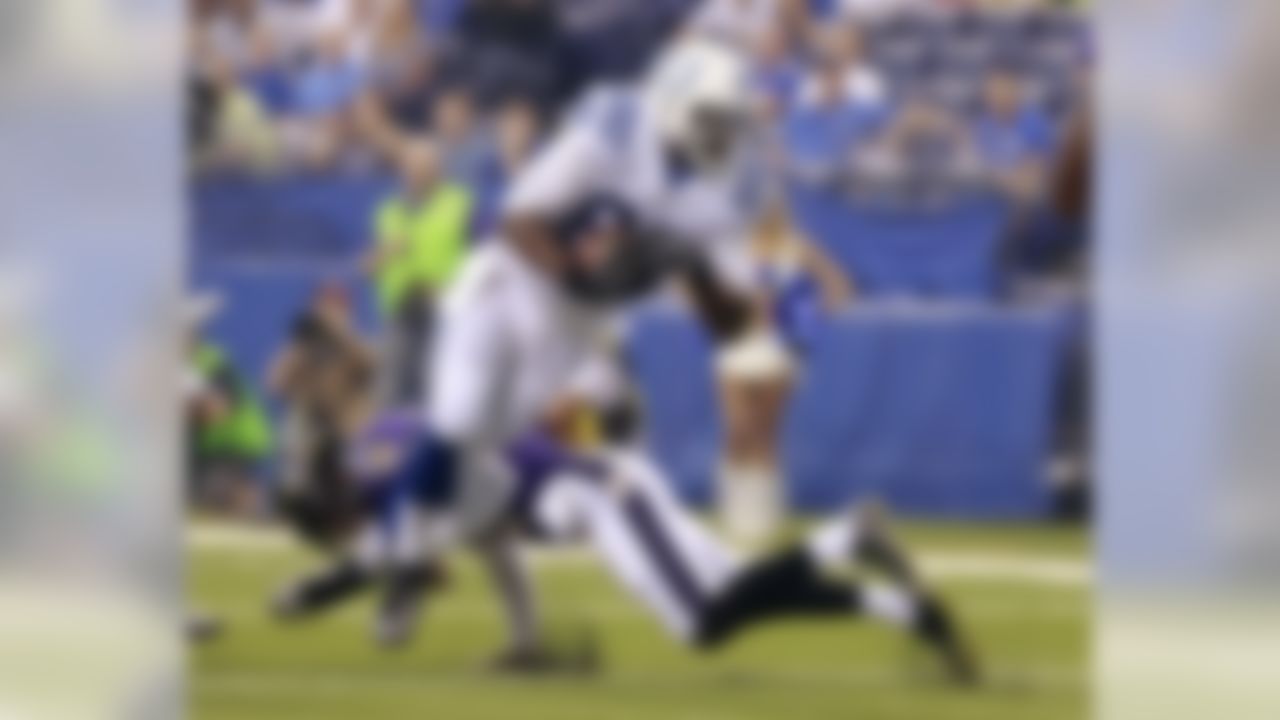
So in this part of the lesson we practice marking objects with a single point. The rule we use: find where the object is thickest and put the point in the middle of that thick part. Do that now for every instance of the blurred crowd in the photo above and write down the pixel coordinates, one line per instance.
(899, 101)
(876, 95)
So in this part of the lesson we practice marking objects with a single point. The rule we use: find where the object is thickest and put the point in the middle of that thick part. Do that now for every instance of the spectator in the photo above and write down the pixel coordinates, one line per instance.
(329, 83)
(421, 236)
(875, 9)
(399, 105)
(440, 17)
(325, 92)
(461, 138)
(397, 43)
(796, 19)
(298, 26)
(615, 39)
(925, 152)
(266, 75)
(1013, 138)
(235, 131)
(516, 131)
(778, 72)
(224, 28)
(512, 49)
(841, 44)
(822, 135)
(403, 82)
(742, 23)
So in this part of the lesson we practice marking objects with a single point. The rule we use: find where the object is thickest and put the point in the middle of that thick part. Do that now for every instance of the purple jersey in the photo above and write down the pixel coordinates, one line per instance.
(377, 458)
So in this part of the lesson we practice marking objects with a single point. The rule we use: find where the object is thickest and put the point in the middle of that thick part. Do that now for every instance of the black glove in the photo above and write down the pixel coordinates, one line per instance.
(727, 314)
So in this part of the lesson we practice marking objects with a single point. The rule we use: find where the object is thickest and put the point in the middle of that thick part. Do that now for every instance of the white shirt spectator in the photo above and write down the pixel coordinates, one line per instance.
(871, 9)
(227, 37)
(741, 22)
(864, 86)
(841, 44)
(297, 25)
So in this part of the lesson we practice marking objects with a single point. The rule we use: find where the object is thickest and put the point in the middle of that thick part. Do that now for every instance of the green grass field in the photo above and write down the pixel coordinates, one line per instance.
(1024, 593)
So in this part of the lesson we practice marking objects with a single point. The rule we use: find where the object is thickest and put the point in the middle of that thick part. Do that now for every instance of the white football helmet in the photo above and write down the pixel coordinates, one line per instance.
(699, 95)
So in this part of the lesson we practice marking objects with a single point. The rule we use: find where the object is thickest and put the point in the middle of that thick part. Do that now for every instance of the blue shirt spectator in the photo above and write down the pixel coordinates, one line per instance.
(463, 136)
(273, 87)
(511, 49)
(266, 76)
(330, 82)
(1009, 132)
(821, 136)
(440, 17)
(779, 74)
(516, 131)
(1012, 140)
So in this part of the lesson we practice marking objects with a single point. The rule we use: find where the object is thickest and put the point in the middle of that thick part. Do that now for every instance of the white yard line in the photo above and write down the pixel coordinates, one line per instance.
(338, 683)
(1054, 569)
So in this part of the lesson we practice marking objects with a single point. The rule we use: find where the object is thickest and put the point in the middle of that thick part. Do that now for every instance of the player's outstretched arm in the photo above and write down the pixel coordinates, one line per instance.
(727, 313)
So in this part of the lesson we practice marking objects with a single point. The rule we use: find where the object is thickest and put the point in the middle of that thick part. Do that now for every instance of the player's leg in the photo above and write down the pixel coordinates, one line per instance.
(358, 567)
(322, 590)
(629, 539)
(623, 508)
(507, 343)
(507, 572)
(863, 537)
(794, 583)
(464, 376)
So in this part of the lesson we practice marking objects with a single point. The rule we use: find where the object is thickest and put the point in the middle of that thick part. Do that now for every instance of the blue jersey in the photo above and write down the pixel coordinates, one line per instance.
(377, 464)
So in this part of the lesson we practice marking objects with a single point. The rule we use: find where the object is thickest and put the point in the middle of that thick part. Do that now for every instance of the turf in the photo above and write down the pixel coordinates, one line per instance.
(1032, 633)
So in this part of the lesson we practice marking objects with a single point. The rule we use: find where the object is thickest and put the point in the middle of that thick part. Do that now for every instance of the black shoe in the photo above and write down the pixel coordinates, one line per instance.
(398, 614)
(878, 548)
(203, 628)
(522, 661)
(314, 594)
(937, 628)
(579, 655)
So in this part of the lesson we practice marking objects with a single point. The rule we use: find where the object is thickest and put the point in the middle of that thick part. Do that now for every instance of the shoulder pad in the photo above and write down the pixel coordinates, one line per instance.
(612, 111)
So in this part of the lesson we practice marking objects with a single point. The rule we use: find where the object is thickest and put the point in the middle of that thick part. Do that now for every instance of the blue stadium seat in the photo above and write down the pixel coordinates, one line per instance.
(670, 358)
(940, 410)
(946, 252)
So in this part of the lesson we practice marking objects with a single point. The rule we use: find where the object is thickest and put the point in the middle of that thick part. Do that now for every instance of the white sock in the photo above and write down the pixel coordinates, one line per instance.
(890, 604)
(832, 543)
(750, 503)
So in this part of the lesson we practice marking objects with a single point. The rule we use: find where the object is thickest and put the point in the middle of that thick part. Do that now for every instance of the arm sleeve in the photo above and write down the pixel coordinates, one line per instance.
(562, 173)
(733, 265)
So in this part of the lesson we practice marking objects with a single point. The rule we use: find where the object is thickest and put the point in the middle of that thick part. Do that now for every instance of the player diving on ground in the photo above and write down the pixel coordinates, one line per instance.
(621, 506)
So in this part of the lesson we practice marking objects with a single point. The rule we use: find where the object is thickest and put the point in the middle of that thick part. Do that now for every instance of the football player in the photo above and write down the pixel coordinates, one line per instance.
(640, 184)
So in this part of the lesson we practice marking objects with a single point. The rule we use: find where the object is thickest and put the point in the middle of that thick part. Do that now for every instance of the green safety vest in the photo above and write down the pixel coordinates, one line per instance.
(245, 432)
(435, 237)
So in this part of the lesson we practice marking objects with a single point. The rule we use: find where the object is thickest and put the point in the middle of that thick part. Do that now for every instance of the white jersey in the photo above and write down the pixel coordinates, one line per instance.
(509, 339)
(609, 146)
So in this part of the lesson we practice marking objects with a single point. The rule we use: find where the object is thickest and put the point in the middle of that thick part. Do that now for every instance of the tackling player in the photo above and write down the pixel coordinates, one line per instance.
(640, 184)
(621, 506)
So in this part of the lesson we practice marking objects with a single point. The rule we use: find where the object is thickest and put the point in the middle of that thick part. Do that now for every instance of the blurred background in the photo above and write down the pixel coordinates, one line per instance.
(933, 161)
(99, 201)
(934, 151)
